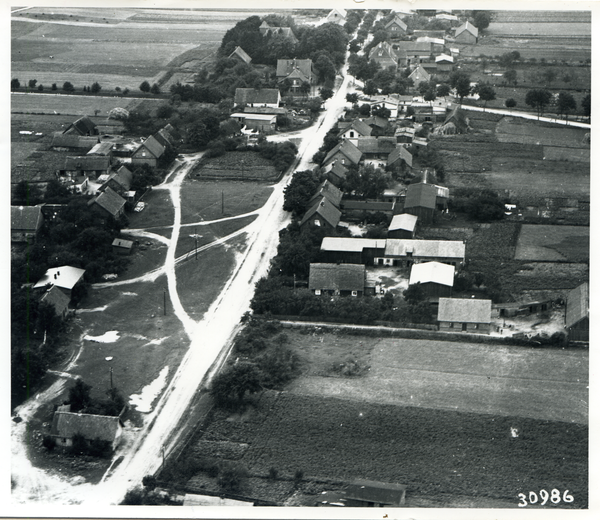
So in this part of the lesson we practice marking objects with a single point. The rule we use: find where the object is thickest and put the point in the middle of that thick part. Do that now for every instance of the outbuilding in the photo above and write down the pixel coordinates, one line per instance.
(464, 315)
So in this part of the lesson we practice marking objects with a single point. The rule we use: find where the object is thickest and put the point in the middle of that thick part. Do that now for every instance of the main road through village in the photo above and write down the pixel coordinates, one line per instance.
(209, 342)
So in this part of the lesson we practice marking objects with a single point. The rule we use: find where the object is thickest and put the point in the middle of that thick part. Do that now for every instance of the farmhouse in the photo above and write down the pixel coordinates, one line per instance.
(466, 315)
(345, 152)
(241, 55)
(337, 174)
(265, 29)
(376, 149)
(120, 181)
(413, 53)
(466, 33)
(378, 125)
(384, 55)
(148, 152)
(577, 316)
(83, 126)
(322, 214)
(65, 425)
(444, 63)
(434, 278)
(396, 27)
(58, 300)
(297, 71)
(73, 142)
(402, 226)
(368, 493)
(354, 130)
(266, 97)
(327, 190)
(405, 252)
(337, 16)
(89, 165)
(64, 278)
(351, 250)
(25, 223)
(333, 279)
(108, 204)
(421, 201)
(419, 74)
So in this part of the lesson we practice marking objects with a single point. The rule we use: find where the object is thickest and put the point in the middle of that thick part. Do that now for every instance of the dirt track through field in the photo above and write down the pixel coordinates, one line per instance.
(511, 381)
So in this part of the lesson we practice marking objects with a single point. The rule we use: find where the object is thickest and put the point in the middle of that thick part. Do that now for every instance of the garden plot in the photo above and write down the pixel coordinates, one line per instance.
(553, 243)
(242, 166)
(512, 130)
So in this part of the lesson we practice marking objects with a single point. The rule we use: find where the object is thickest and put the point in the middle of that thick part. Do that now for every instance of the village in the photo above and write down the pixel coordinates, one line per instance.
(394, 150)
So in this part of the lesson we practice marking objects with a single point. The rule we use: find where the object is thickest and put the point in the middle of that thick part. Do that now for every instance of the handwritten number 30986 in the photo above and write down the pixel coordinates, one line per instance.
(554, 497)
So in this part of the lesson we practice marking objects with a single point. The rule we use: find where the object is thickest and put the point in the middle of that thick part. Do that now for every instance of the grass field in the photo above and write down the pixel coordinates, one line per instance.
(211, 200)
(574, 49)
(515, 130)
(68, 105)
(553, 243)
(236, 166)
(158, 211)
(432, 452)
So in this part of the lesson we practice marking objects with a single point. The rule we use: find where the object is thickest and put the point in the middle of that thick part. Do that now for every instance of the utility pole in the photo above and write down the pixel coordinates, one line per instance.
(111, 379)
(223, 202)
(196, 239)
(165, 301)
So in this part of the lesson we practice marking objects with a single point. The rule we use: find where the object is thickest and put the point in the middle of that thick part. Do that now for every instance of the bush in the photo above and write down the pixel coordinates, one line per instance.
(133, 497)
(231, 476)
(149, 482)
(298, 477)
(510, 103)
(49, 442)
(273, 473)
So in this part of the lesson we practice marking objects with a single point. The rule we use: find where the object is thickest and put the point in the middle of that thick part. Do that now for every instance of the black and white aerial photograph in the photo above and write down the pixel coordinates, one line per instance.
(297, 255)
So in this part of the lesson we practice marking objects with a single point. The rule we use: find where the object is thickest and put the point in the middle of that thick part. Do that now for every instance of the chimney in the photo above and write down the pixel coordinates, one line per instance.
(55, 276)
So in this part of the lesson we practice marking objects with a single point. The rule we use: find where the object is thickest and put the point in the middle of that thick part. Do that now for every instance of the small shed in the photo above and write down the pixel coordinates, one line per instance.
(402, 226)
(464, 314)
(122, 246)
(337, 279)
(369, 493)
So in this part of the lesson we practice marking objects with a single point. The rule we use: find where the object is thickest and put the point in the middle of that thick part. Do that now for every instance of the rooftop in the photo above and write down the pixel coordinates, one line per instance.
(425, 248)
(340, 277)
(405, 221)
(432, 272)
(25, 217)
(465, 310)
(64, 276)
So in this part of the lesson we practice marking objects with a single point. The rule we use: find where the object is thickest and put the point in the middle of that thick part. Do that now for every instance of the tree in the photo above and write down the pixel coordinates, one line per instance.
(231, 385)
(510, 103)
(487, 93)
(79, 396)
(414, 294)
(145, 86)
(565, 104)
(481, 20)
(14, 84)
(26, 194)
(463, 87)
(586, 105)
(370, 88)
(299, 191)
(352, 98)
(41, 88)
(95, 87)
(538, 99)
(510, 76)
(430, 95)
(443, 89)
(549, 75)
(155, 89)
(32, 83)
(68, 86)
(54, 87)
(325, 93)
(324, 68)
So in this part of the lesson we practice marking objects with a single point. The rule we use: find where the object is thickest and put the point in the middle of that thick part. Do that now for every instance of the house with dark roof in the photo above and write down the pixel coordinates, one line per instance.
(337, 279)
(376, 148)
(91, 166)
(402, 226)
(354, 130)
(378, 125)
(65, 425)
(241, 55)
(337, 16)
(73, 142)
(359, 209)
(120, 181)
(458, 119)
(148, 152)
(64, 278)
(329, 191)
(464, 315)
(297, 72)
(285, 32)
(404, 134)
(577, 315)
(405, 252)
(396, 27)
(400, 155)
(369, 493)
(264, 97)
(412, 53)
(466, 33)
(421, 201)
(323, 214)
(108, 203)
(352, 250)
(337, 174)
(345, 152)
(103, 149)
(58, 300)
(435, 279)
(83, 126)
(384, 54)
(25, 223)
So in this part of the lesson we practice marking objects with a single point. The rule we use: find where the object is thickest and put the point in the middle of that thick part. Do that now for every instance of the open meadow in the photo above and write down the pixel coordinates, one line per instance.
(553, 243)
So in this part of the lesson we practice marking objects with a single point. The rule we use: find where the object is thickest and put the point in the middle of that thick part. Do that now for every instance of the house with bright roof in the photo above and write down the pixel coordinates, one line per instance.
(406, 252)
(465, 315)
(467, 33)
(435, 279)
(337, 16)
(351, 250)
(402, 226)
(64, 278)
(241, 55)
(396, 27)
